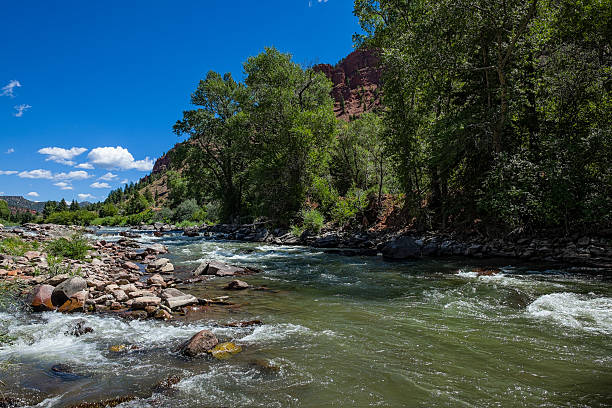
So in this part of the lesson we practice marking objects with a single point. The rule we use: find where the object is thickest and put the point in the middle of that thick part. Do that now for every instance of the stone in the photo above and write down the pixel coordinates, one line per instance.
(157, 264)
(179, 301)
(200, 270)
(237, 285)
(144, 301)
(220, 269)
(57, 279)
(32, 255)
(67, 289)
(97, 262)
(162, 314)
(170, 293)
(156, 280)
(41, 298)
(167, 268)
(131, 266)
(79, 328)
(128, 288)
(140, 293)
(120, 295)
(401, 248)
(166, 384)
(224, 351)
(200, 343)
(72, 305)
(156, 249)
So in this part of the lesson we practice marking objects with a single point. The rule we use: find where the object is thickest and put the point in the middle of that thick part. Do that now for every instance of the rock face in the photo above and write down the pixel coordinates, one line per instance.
(356, 80)
(67, 289)
(200, 343)
(402, 248)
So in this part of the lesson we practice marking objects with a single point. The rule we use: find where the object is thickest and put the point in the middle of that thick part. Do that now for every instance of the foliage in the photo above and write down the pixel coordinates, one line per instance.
(136, 204)
(347, 208)
(74, 248)
(312, 220)
(186, 210)
(57, 266)
(108, 210)
(79, 217)
(16, 246)
(4, 210)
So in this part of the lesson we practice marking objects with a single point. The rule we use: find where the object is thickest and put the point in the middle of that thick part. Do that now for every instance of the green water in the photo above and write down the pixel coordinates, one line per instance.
(342, 332)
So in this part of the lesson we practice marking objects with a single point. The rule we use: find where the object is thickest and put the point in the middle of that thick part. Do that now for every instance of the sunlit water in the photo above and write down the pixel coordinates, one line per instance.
(342, 332)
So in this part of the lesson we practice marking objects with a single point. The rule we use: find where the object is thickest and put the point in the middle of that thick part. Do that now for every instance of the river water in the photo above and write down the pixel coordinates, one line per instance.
(337, 331)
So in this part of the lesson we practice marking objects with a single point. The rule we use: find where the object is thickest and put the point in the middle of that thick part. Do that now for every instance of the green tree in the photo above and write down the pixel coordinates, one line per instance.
(74, 206)
(108, 210)
(62, 206)
(5, 212)
(50, 208)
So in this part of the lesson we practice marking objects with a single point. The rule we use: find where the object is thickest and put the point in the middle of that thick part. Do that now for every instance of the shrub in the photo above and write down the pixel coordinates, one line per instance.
(165, 215)
(79, 217)
(108, 210)
(16, 246)
(347, 208)
(186, 210)
(74, 248)
(313, 220)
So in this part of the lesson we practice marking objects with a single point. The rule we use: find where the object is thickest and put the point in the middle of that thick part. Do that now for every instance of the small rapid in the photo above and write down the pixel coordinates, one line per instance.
(336, 331)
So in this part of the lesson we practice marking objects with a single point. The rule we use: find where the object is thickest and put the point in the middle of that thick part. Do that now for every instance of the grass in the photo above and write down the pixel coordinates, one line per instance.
(74, 248)
(16, 246)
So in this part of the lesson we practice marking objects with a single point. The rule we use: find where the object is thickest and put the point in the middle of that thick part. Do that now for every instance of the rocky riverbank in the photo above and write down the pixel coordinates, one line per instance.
(120, 277)
(579, 252)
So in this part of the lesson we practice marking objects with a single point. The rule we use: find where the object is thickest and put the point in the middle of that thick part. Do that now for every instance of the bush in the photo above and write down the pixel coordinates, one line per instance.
(186, 210)
(74, 248)
(79, 217)
(108, 210)
(347, 208)
(16, 246)
(313, 220)
(164, 215)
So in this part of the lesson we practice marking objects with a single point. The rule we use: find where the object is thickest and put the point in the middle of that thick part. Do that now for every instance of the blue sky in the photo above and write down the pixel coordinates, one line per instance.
(89, 91)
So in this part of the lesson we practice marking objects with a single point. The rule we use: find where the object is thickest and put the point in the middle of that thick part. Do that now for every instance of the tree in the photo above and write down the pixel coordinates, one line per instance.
(108, 210)
(74, 206)
(50, 208)
(5, 212)
(136, 204)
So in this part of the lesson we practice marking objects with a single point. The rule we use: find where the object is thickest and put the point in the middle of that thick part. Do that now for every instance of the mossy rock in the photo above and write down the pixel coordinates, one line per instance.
(117, 348)
(224, 351)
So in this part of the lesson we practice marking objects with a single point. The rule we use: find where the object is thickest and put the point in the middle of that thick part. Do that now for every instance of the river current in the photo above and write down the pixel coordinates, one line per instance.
(338, 331)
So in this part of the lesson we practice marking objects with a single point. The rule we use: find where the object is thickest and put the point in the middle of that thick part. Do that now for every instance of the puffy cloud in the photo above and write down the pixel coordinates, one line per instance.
(62, 156)
(8, 90)
(21, 109)
(125, 181)
(87, 166)
(100, 185)
(108, 177)
(46, 174)
(118, 157)
(9, 151)
(63, 185)
(85, 196)
(37, 174)
(73, 175)
(33, 194)
(7, 172)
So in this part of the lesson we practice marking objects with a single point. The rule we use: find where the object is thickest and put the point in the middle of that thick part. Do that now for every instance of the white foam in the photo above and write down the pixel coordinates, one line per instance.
(575, 311)
(274, 332)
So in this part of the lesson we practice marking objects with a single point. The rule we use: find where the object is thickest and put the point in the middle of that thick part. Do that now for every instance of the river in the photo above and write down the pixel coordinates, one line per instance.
(337, 331)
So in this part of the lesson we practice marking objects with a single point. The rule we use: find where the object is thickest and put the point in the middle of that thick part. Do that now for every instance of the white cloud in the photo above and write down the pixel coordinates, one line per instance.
(108, 177)
(36, 174)
(46, 174)
(99, 185)
(85, 196)
(318, 1)
(118, 157)
(21, 109)
(87, 166)
(125, 181)
(7, 90)
(63, 185)
(7, 172)
(73, 175)
(33, 194)
(62, 156)
(9, 151)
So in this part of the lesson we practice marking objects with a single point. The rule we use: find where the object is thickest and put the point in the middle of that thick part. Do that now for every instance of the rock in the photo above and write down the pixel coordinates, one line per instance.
(156, 249)
(171, 292)
(179, 301)
(67, 289)
(166, 384)
(120, 295)
(128, 288)
(32, 255)
(191, 232)
(200, 270)
(137, 315)
(157, 264)
(156, 280)
(167, 268)
(237, 285)
(245, 323)
(140, 293)
(265, 366)
(220, 269)
(200, 343)
(162, 314)
(144, 301)
(41, 298)
(79, 328)
(401, 248)
(131, 266)
(72, 305)
(57, 279)
(224, 351)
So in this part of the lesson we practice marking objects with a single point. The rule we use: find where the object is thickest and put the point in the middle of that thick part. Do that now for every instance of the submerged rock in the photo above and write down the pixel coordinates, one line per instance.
(237, 285)
(224, 351)
(166, 384)
(200, 343)
(79, 328)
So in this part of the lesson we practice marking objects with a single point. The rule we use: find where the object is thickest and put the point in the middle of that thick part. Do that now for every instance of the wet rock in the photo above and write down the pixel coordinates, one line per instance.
(200, 270)
(72, 305)
(162, 314)
(131, 266)
(106, 403)
(136, 315)
(156, 249)
(224, 351)
(245, 323)
(191, 232)
(157, 279)
(171, 292)
(401, 248)
(166, 384)
(221, 269)
(79, 328)
(67, 289)
(265, 366)
(179, 301)
(200, 343)
(41, 298)
(237, 285)
(144, 301)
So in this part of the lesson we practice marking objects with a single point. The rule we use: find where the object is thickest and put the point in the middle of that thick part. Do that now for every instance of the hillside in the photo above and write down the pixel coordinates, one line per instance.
(20, 204)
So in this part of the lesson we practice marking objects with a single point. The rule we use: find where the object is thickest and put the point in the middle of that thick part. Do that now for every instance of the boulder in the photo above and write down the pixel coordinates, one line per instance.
(201, 269)
(144, 301)
(221, 269)
(224, 351)
(131, 266)
(67, 289)
(401, 248)
(156, 279)
(156, 249)
(180, 301)
(200, 343)
(237, 285)
(78, 328)
(41, 298)
(157, 264)
(170, 293)
(120, 295)
(167, 268)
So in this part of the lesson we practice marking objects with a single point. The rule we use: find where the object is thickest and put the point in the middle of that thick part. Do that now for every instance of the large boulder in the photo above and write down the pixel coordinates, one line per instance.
(402, 248)
(144, 301)
(67, 289)
(171, 293)
(200, 343)
(40, 298)
(157, 264)
(180, 301)
(221, 269)
(156, 249)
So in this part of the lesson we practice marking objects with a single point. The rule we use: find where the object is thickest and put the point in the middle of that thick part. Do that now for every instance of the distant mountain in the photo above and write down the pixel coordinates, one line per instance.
(20, 203)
